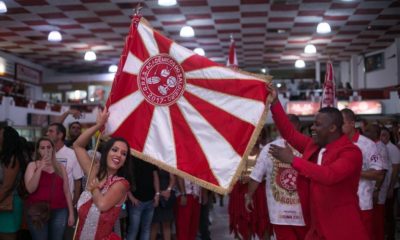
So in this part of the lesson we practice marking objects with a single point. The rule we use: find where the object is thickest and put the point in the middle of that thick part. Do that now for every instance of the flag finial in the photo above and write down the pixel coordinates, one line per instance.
(137, 9)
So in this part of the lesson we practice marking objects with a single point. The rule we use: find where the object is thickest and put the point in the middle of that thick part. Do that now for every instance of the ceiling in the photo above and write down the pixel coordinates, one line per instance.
(268, 33)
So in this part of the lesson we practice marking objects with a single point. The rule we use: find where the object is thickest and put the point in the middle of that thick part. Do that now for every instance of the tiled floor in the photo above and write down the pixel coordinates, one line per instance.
(219, 227)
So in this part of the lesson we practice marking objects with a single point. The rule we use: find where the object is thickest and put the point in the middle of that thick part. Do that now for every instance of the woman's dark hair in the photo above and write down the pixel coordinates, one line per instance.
(125, 171)
(11, 150)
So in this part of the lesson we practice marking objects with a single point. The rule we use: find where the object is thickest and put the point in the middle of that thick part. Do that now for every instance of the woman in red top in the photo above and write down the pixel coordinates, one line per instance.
(46, 181)
(100, 204)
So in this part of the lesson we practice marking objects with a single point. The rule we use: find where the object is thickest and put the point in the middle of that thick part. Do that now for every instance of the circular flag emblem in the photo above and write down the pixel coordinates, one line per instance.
(161, 80)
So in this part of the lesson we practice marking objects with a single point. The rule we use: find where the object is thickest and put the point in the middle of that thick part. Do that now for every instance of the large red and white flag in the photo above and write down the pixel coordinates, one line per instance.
(232, 59)
(329, 91)
(183, 112)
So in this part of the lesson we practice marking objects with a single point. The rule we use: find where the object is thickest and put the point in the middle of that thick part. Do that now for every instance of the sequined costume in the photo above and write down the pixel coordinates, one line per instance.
(94, 224)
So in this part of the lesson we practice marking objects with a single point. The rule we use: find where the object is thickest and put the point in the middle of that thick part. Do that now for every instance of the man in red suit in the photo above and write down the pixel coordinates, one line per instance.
(332, 163)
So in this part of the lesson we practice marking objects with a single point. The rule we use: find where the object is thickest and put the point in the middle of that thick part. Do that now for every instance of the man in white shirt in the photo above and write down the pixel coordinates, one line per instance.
(394, 157)
(373, 168)
(373, 132)
(283, 201)
(65, 155)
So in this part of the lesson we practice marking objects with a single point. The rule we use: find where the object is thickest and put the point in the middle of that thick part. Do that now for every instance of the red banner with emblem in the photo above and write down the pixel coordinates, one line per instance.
(329, 91)
(232, 59)
(183, 112)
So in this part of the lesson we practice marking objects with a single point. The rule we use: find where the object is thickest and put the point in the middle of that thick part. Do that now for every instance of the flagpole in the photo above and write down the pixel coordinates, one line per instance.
(88, 177)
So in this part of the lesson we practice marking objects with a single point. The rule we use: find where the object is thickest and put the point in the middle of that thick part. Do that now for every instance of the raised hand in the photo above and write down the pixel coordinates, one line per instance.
(102, 117)
(273, 93)
(283, 154)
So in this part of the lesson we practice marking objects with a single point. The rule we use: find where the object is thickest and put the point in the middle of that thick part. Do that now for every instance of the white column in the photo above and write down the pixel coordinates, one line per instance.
(344, 73)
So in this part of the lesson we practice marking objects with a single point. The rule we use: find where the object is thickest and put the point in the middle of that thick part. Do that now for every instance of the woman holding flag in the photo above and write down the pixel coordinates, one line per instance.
(100, 203)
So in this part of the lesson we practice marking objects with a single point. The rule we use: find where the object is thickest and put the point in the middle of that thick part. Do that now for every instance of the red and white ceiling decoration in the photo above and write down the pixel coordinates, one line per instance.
(267, 32)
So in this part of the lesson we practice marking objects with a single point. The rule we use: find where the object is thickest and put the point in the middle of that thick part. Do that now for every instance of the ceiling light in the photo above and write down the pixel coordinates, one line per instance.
(323, 27)
(310, 49)
(187, 31)
(300, 64)
(90, 56)
(279, 85)
(113, 68)
(166, 3)
(199, 51)
(263, 70)
(3, 7)
(54, 36)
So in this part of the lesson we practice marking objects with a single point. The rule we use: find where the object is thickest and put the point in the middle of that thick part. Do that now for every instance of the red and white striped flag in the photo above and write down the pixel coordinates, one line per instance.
(183, 112)
(232, 59)
(329, 91)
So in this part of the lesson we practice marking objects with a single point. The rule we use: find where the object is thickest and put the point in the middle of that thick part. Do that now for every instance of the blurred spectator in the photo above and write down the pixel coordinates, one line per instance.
(293, 88)
(12, 166)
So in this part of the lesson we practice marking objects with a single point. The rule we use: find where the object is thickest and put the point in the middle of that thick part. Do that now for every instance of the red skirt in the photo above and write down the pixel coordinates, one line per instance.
(247, 224)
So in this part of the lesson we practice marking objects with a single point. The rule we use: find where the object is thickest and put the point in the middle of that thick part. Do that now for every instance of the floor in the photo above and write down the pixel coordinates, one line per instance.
(219, 227)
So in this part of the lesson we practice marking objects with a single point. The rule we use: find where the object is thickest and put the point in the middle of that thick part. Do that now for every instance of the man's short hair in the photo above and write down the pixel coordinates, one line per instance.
(60, 129)
(334, 115)
(349, 114)
(76, 122)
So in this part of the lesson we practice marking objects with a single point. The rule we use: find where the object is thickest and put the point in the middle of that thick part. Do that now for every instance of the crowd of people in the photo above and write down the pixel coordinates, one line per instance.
(55, 191)
(339, 182)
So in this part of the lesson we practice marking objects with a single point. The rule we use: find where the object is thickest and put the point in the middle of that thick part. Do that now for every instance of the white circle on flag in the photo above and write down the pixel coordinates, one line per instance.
(161, 80)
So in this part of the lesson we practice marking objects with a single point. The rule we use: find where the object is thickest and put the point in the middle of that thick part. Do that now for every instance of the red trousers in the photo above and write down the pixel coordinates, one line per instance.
(284, 232)
(379, 222)
(367, 219)
(187, 218)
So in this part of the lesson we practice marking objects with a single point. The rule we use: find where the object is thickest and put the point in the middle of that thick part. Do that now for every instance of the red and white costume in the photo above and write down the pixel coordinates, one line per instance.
(371, 160)
(331, 198)
(283, 201)
(187, 217)
(94, 224)
(379, 207)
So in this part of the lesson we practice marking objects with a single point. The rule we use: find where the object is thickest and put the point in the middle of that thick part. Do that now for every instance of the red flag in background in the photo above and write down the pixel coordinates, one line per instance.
(183, 112)
(329, 91)
(232, 59)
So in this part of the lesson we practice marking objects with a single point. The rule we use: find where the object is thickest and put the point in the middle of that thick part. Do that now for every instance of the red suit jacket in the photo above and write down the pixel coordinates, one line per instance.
(329, 201)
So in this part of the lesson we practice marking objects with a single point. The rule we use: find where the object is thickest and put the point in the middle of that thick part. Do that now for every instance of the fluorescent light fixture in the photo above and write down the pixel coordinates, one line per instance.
(323, 27)
(54, 36)
(3, 7)
(90, 56)
(113, 68)
(310, 49)
(300, 64)
(199, 51)
(186, 31)
(166, 3)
